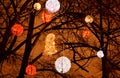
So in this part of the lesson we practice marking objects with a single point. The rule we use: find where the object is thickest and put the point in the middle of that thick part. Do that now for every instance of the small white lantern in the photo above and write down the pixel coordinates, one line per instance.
(37, 6)
(88, 19)
(62, 64)
(52, 5)
(100, 54)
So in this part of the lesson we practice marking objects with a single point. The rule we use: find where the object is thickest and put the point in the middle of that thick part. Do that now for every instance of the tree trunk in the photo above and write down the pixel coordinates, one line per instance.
(27, 47)
(105, 73)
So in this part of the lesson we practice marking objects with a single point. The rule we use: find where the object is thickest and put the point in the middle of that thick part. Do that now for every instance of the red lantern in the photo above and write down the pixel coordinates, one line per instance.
(46, 16)
(30, 70)
(85, 33)
(17, 29)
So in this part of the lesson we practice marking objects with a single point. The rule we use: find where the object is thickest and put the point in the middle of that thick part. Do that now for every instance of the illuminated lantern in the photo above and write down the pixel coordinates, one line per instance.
(62, 64)
(30, 70)
(88, 19)
(50, 44)
(86, 33)
(17, 29)
(46, 16)
(52, 5)
(100, 54)
(37, 6)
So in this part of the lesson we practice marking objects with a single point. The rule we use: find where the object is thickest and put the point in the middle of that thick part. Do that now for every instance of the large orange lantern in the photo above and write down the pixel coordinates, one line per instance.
(86, 33)
(17, 29)
(46, 16)
(30, 70)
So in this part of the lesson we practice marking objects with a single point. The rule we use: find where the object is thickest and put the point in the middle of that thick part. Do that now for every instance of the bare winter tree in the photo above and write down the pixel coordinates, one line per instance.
(68, 24)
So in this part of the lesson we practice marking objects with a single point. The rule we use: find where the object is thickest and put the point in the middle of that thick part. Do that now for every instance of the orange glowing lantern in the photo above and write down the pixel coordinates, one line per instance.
(17, 29)
(85, 33)
(46, 16)
(30, 70)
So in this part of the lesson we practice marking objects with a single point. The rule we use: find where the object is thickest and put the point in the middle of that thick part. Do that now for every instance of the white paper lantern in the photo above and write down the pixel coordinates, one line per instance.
(37, 6)
(52, 5)
(100, 54)
(62, 64)
(88, 19)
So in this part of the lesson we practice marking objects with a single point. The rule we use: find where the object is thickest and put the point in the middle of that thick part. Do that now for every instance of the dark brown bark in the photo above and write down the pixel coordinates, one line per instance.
(27, 47)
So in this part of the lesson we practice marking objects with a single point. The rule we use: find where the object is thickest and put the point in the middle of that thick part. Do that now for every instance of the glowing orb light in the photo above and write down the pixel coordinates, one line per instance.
(88, 19)
(46, 16)
(100, 54)
(52, 5)
(86, 33)
(30, 70)
(17, 29)
(62, 64)
(50, 44)
(37, 6)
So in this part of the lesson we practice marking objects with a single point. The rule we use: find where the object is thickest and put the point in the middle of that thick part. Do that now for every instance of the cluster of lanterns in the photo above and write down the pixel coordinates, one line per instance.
(62, 64)
(51, 6)
(86, 33)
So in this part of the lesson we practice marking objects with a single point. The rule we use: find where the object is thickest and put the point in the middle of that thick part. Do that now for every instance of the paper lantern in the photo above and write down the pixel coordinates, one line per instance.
(62, 64)
(46, 16)
(30, 70)
(52, 5)
(17, 29)
(37, 6)
(50, 44)
(100, 54)
(86, 33)
(88, 19)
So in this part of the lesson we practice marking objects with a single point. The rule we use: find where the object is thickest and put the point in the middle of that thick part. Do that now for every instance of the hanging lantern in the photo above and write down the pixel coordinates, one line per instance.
(17, 29)
(62, 64)
(50, 44)
(86, 33)
(100, 54)
(52, 5)
(88, 19)
(37, 6)
(30, 70)
(46, 16)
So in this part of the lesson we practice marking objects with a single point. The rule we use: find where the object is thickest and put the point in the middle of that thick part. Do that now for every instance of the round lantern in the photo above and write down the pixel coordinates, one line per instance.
(62, 64)
(30, 70)
(17, 29)
(46, 16)
(88, 19)
(100, 54)
(37, 6)
(52, 5)
(86, 33)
